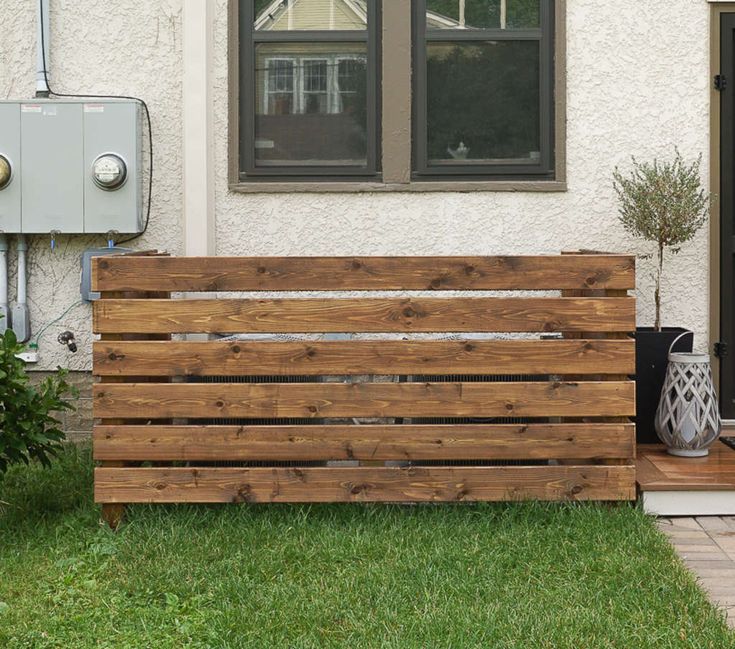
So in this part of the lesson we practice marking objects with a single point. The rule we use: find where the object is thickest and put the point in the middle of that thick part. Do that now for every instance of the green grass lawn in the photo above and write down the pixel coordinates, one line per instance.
(581, 576)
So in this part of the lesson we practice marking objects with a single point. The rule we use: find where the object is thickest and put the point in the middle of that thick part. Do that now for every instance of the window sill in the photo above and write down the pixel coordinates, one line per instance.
(316, 187)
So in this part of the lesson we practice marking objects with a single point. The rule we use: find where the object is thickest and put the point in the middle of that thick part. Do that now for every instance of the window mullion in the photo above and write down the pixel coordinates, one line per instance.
(484, 35)
(396, 104)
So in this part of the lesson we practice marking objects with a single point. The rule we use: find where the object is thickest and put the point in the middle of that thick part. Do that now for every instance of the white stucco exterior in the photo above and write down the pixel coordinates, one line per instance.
(638, 83)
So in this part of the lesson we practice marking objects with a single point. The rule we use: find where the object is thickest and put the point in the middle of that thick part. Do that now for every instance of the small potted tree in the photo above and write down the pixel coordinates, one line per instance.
(665, 204)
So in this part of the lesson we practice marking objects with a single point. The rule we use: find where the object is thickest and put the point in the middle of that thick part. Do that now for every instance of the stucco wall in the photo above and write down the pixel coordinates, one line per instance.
(126, 47)
(637, 84)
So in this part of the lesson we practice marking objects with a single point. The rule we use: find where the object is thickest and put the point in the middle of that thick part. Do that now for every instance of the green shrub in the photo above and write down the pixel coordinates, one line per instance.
(29, 429)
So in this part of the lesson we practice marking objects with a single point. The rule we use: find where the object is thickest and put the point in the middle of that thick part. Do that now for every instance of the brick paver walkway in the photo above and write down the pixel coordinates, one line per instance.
(707, 546)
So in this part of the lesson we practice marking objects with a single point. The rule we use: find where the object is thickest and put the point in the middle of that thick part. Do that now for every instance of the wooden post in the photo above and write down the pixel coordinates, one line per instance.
(618, 336)
(114, 513)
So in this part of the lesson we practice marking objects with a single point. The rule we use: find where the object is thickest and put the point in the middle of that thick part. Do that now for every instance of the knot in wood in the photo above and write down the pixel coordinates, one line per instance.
(469, 347)
(244, 494)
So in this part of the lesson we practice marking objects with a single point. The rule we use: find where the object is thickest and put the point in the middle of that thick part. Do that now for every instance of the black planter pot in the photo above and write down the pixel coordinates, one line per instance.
(651, 360)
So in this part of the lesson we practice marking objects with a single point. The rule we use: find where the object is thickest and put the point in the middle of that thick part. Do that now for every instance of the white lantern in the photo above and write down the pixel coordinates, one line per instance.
(688, 418)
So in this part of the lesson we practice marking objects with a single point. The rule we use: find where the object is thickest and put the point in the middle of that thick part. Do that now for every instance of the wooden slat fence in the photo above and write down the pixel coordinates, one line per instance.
(294, 417)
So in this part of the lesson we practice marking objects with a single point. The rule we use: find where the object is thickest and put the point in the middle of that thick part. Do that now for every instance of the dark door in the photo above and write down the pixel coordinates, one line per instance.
(726, 83)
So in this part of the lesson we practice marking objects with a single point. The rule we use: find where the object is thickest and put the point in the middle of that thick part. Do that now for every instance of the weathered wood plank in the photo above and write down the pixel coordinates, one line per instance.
(373, 442)
(509, 314)
(365, 484)
(247, 358)
(363, 273)
(198, 400)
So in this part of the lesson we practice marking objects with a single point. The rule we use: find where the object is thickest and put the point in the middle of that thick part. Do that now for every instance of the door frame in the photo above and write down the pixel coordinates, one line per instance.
(716, 13)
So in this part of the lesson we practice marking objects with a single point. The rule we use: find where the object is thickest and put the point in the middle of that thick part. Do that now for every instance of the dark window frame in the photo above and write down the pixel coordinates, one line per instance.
(545, 169)
(249, 39)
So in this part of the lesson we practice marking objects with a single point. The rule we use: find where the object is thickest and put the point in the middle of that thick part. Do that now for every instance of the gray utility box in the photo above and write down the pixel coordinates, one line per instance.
(59, 153)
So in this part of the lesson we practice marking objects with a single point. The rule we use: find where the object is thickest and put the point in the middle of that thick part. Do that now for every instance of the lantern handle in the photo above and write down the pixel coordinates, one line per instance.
(678, 338)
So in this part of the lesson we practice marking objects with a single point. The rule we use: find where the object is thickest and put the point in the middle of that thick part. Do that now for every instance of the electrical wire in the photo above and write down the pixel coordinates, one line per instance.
(82, 96)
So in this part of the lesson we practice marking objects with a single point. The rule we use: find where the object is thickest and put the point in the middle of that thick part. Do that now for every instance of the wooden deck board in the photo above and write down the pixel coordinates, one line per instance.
(659, 471)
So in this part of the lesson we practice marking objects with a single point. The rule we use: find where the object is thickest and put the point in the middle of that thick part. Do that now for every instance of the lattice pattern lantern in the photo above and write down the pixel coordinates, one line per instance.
(688, 418)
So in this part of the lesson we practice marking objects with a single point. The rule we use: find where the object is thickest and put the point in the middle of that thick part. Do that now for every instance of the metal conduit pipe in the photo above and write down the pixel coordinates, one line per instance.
(21, 316)
(43, 51)
(4, 306)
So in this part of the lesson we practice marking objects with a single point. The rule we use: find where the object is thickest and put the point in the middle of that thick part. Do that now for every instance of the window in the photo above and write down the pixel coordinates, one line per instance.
(418, 96)
(483, 92)
(309, 88)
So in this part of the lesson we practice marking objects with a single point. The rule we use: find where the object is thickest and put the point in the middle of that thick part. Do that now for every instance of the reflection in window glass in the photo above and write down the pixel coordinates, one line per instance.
(483, 102)
(311, 104)
(280, 87)
(483, 14)
(315, 86)
(315, 15)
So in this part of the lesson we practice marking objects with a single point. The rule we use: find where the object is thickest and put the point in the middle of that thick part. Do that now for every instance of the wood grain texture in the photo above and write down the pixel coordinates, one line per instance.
(376, 315)
(364, 484)
(372, 442)
(363, 273)
(313, 358)
(235, 400)
(659, 471)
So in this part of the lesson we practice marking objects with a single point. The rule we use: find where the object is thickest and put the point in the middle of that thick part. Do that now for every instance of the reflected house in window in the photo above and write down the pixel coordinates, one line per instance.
(311, 94)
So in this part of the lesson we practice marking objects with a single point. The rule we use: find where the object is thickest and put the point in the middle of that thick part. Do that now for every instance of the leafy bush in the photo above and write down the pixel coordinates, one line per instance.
(662, 202)
(28, 426)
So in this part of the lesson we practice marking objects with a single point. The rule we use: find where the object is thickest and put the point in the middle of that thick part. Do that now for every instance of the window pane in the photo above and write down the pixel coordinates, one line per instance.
(483, 102)
(483, 14)
(294, 15)
(311, 104)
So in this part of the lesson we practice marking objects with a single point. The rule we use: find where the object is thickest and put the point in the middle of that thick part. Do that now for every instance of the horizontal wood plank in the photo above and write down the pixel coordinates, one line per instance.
(511, 314)
(316, 400)
(363, 273)
(364, 484)
(595, 441)
(355, 357)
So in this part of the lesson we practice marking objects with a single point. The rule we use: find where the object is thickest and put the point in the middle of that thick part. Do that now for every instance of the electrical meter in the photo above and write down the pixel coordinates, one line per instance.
(109, 171)
(72, 166)
(5, 172)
